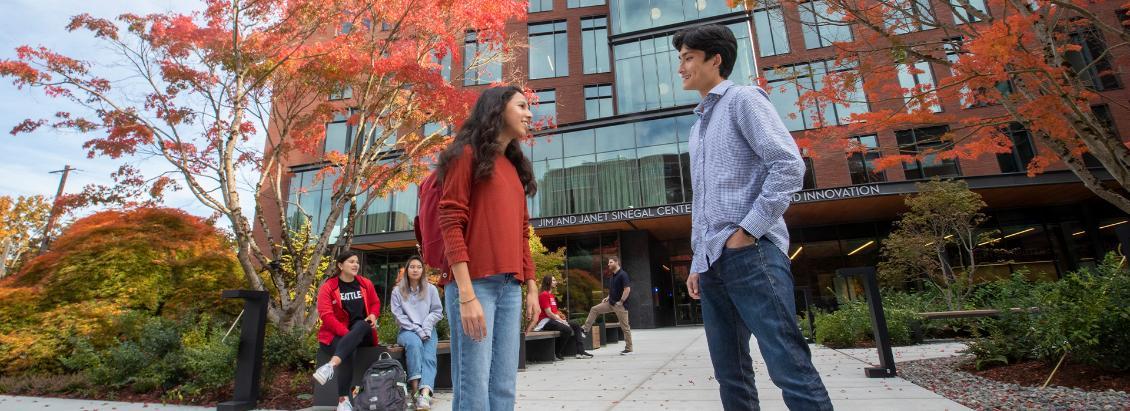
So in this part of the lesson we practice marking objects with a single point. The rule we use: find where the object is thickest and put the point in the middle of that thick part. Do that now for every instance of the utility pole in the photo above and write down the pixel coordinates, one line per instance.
(56, 207)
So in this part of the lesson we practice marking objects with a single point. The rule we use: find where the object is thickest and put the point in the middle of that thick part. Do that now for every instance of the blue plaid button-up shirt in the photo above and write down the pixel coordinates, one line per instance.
(745, 167)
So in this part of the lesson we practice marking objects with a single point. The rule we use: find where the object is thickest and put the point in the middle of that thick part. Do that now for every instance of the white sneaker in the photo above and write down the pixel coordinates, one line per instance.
(324, 373)
(424, 401)
(345, 406)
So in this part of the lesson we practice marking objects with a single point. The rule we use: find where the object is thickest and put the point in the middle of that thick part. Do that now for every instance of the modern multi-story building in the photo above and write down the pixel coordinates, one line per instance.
(613, 177)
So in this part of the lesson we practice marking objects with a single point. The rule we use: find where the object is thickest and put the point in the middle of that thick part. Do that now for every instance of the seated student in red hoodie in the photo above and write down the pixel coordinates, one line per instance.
(348, 306)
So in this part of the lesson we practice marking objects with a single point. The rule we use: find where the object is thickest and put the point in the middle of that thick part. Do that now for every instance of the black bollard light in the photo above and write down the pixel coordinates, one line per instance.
(886, 368)
(249, 362)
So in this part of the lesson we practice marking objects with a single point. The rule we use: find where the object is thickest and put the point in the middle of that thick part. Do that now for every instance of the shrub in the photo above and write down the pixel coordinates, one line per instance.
(851, 324)
(209, 362)
(1085, 315)
(289, 350)
(41, 384)
(443, 328)
(387, 327)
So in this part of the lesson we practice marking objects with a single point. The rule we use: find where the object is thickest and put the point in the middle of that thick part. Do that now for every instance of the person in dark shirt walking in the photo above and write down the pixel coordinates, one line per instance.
(616, 302)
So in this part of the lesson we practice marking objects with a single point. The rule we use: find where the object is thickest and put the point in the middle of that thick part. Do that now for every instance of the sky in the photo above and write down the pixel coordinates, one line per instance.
(26, 160)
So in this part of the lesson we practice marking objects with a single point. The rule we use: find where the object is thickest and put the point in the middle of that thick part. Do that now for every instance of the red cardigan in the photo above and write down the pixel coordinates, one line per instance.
(485, 223)
(333, 315)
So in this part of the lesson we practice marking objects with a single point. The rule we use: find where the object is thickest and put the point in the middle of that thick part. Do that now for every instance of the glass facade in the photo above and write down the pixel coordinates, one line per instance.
(598, 101)
(594, 43)
(647, 75)
(549, 50)
(862, 153)
(772, 36)
(635, 15)
(586, 275)
(962, 16)
(926, 141)
(917, 82)
(616, 167)
(487, 69)
(821, 28)
(1022, 152)
(787, 84)
(540, 5)
(309, 201)
(908, 16)
(545, 110)
(583, 3)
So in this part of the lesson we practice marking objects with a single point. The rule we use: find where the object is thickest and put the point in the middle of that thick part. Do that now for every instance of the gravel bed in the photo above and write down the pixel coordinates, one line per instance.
(942, 376)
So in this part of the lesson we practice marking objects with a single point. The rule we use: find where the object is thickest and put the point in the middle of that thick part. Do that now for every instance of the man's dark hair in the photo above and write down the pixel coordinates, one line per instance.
(711, 39)
(614, 258)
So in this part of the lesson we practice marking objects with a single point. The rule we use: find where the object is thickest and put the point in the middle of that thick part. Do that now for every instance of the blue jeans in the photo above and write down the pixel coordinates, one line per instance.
(751, 289)
(421, 357)
(484, 373)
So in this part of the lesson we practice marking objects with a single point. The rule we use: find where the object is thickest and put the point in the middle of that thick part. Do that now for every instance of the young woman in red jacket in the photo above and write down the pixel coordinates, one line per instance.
(348, 306)
(485, 226)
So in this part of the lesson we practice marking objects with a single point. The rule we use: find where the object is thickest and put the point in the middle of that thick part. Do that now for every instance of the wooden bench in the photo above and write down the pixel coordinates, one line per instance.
(326, 395)
(613, 333)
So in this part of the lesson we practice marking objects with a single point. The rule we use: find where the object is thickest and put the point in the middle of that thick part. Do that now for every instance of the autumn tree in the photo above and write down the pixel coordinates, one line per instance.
(154, 261)
(204, 84)
(1036, 65)
(942, 227)
(22, 221)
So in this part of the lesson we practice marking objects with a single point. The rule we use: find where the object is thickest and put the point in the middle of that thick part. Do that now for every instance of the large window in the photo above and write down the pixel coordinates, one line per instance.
(594, 44)
(809, 174)
(540, 5)
(862, 154)
(961, 15)
(787, 84)
(908, 16)
(309, 201)
(480, 62)
(341, 93)
(771, 34)
(1022, 152)
(584, 3)
(926, 143)
(632, 165)
(647, 75)
(820, 27)
(545, 110)
(338, 133)
(636, 15)
(918, 85)
(598, 101)
(1089, 62)
(549, 50)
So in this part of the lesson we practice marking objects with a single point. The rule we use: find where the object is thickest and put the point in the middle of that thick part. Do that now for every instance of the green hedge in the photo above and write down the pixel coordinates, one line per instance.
(850, 325)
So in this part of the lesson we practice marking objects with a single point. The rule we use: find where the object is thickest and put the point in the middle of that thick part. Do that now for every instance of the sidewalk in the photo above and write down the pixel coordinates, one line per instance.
(670, 370)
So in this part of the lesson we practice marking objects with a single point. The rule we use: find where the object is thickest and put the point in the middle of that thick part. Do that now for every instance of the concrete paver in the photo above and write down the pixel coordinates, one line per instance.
(670, 370)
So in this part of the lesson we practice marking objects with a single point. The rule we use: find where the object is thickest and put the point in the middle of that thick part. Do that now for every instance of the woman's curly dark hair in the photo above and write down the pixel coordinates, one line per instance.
(481, 132)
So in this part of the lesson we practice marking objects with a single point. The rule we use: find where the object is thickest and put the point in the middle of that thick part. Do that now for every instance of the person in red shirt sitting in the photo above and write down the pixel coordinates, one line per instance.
(550, 319)
(348, 306)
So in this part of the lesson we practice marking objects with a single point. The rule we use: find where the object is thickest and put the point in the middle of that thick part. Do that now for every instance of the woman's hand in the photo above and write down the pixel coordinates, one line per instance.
(473, 320)
(372, 320)
(532, 306)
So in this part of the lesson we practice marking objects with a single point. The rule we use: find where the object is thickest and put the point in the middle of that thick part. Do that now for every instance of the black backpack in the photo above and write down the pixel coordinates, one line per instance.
(383, 386)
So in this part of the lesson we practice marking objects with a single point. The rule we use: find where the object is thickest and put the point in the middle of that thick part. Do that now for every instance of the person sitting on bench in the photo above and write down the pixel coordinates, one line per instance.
(348, 306)
(550, 319)
(417, 308)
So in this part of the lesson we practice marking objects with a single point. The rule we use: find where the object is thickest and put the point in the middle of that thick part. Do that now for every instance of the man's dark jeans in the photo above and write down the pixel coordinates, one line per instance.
(751, 289)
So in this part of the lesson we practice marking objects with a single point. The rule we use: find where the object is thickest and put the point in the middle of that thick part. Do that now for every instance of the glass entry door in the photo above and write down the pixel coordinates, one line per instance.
(688, 311)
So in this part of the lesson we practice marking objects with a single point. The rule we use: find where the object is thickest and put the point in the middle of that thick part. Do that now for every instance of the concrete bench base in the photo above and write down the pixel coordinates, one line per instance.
(541, 346)
(613, 333)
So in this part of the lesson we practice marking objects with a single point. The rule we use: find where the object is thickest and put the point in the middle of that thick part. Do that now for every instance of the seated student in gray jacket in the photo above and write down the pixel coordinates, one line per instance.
(417, 308)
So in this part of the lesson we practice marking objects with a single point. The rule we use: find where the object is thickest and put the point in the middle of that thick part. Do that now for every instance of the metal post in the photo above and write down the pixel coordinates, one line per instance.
(886, 368)
(55, 207)
(249, 363)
